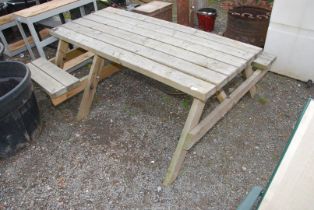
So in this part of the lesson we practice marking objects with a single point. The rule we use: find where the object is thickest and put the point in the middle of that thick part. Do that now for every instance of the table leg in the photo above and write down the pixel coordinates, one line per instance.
(95, 5)
(90, 89)
(27, 44)
(63, 48)
(4, 41)
(179, 155)
(221, 95)
(82, 11)
(36, 39)
(248, 72)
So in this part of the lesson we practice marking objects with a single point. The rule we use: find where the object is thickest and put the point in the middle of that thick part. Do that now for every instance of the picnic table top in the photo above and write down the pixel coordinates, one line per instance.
(41, 8)
(192, 61)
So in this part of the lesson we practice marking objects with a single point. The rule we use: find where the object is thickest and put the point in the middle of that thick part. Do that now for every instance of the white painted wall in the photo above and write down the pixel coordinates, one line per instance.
(291, 38)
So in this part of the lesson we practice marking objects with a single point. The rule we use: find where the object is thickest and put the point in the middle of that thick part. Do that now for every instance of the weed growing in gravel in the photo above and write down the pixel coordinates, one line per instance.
(262, 100)
(165, 99)
(186, 103)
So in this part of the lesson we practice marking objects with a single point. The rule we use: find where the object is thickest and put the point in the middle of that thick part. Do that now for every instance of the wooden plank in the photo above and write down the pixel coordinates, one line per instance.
(162, 47)
(238, 52)
(160, 57)
(41, 8)
(77, 60)
(263, 61)
(183, 82)
(152, 7)
(51, 86)
(62, 49)
(221, 95)
(71, 54)
(6, 19)
(106, 72)
(181, 36)
(196, 48)
(292, 186)
(179, 155)
(90, 88)
(248, 71)
(188, 30)
(20, 44)
(55, 72)
(218, 113)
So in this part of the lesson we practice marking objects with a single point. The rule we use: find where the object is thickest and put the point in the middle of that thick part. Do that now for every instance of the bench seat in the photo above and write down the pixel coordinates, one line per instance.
(263, 61)
(51, 78)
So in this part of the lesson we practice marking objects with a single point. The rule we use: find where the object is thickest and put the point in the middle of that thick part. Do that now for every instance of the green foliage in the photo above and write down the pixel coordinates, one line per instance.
(186, 103)
(262, 100)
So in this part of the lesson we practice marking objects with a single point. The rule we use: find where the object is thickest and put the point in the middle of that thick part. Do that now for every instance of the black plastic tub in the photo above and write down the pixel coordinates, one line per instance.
(19, 114)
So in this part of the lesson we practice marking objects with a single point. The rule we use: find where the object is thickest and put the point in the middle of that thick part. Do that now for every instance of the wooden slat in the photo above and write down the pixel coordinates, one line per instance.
(263, 61)
(292, 186)
(107, 71)
(218, 113)
(77, 60)
(55, 72)
(62, 49)
(188, 30)
(91, 86)
(51, 86)
(152, 7)
(199, 49)
(161, 46)
(238, 52)
(6, 19)
(190, 85)
(160, 57)
(20, 44)
(41, 8)
(193, 119)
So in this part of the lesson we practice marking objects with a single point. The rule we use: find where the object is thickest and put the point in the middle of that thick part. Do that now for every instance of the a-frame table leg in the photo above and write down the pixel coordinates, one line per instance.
(90, 89)
(179, 155)
(248, 72)
(63, 48)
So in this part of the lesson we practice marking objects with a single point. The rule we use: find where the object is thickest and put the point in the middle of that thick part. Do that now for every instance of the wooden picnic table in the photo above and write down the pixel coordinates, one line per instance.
(195, 62)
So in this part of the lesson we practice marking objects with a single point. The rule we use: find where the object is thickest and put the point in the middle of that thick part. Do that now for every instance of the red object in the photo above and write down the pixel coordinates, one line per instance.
(206, 19)
(183, 12)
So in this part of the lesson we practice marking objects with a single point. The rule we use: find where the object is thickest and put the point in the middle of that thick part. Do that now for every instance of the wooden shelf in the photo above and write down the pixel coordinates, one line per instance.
(21, 44)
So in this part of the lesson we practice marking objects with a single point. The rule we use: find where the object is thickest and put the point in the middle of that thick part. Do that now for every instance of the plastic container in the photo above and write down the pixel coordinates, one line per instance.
(206, 19)
(19, 114)
(1, 51)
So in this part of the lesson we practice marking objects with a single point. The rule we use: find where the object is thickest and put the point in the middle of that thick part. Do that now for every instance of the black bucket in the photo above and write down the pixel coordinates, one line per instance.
(19, 114)
(1, 51)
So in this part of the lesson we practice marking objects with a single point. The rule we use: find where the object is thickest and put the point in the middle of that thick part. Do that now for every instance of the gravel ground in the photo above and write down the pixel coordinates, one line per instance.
(116, 159)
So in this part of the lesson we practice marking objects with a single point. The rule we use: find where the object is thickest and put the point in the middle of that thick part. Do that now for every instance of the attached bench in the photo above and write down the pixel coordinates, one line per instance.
(51, 78)
(263, 61)
(57, 82)
(291, 185)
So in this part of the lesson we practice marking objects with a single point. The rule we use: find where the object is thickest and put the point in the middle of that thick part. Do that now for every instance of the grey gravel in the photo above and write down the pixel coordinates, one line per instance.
(116, 159)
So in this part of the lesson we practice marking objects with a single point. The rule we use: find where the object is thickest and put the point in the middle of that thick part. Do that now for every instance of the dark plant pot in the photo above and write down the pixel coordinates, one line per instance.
(19, 114)
(248, 24)
(1, 51)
